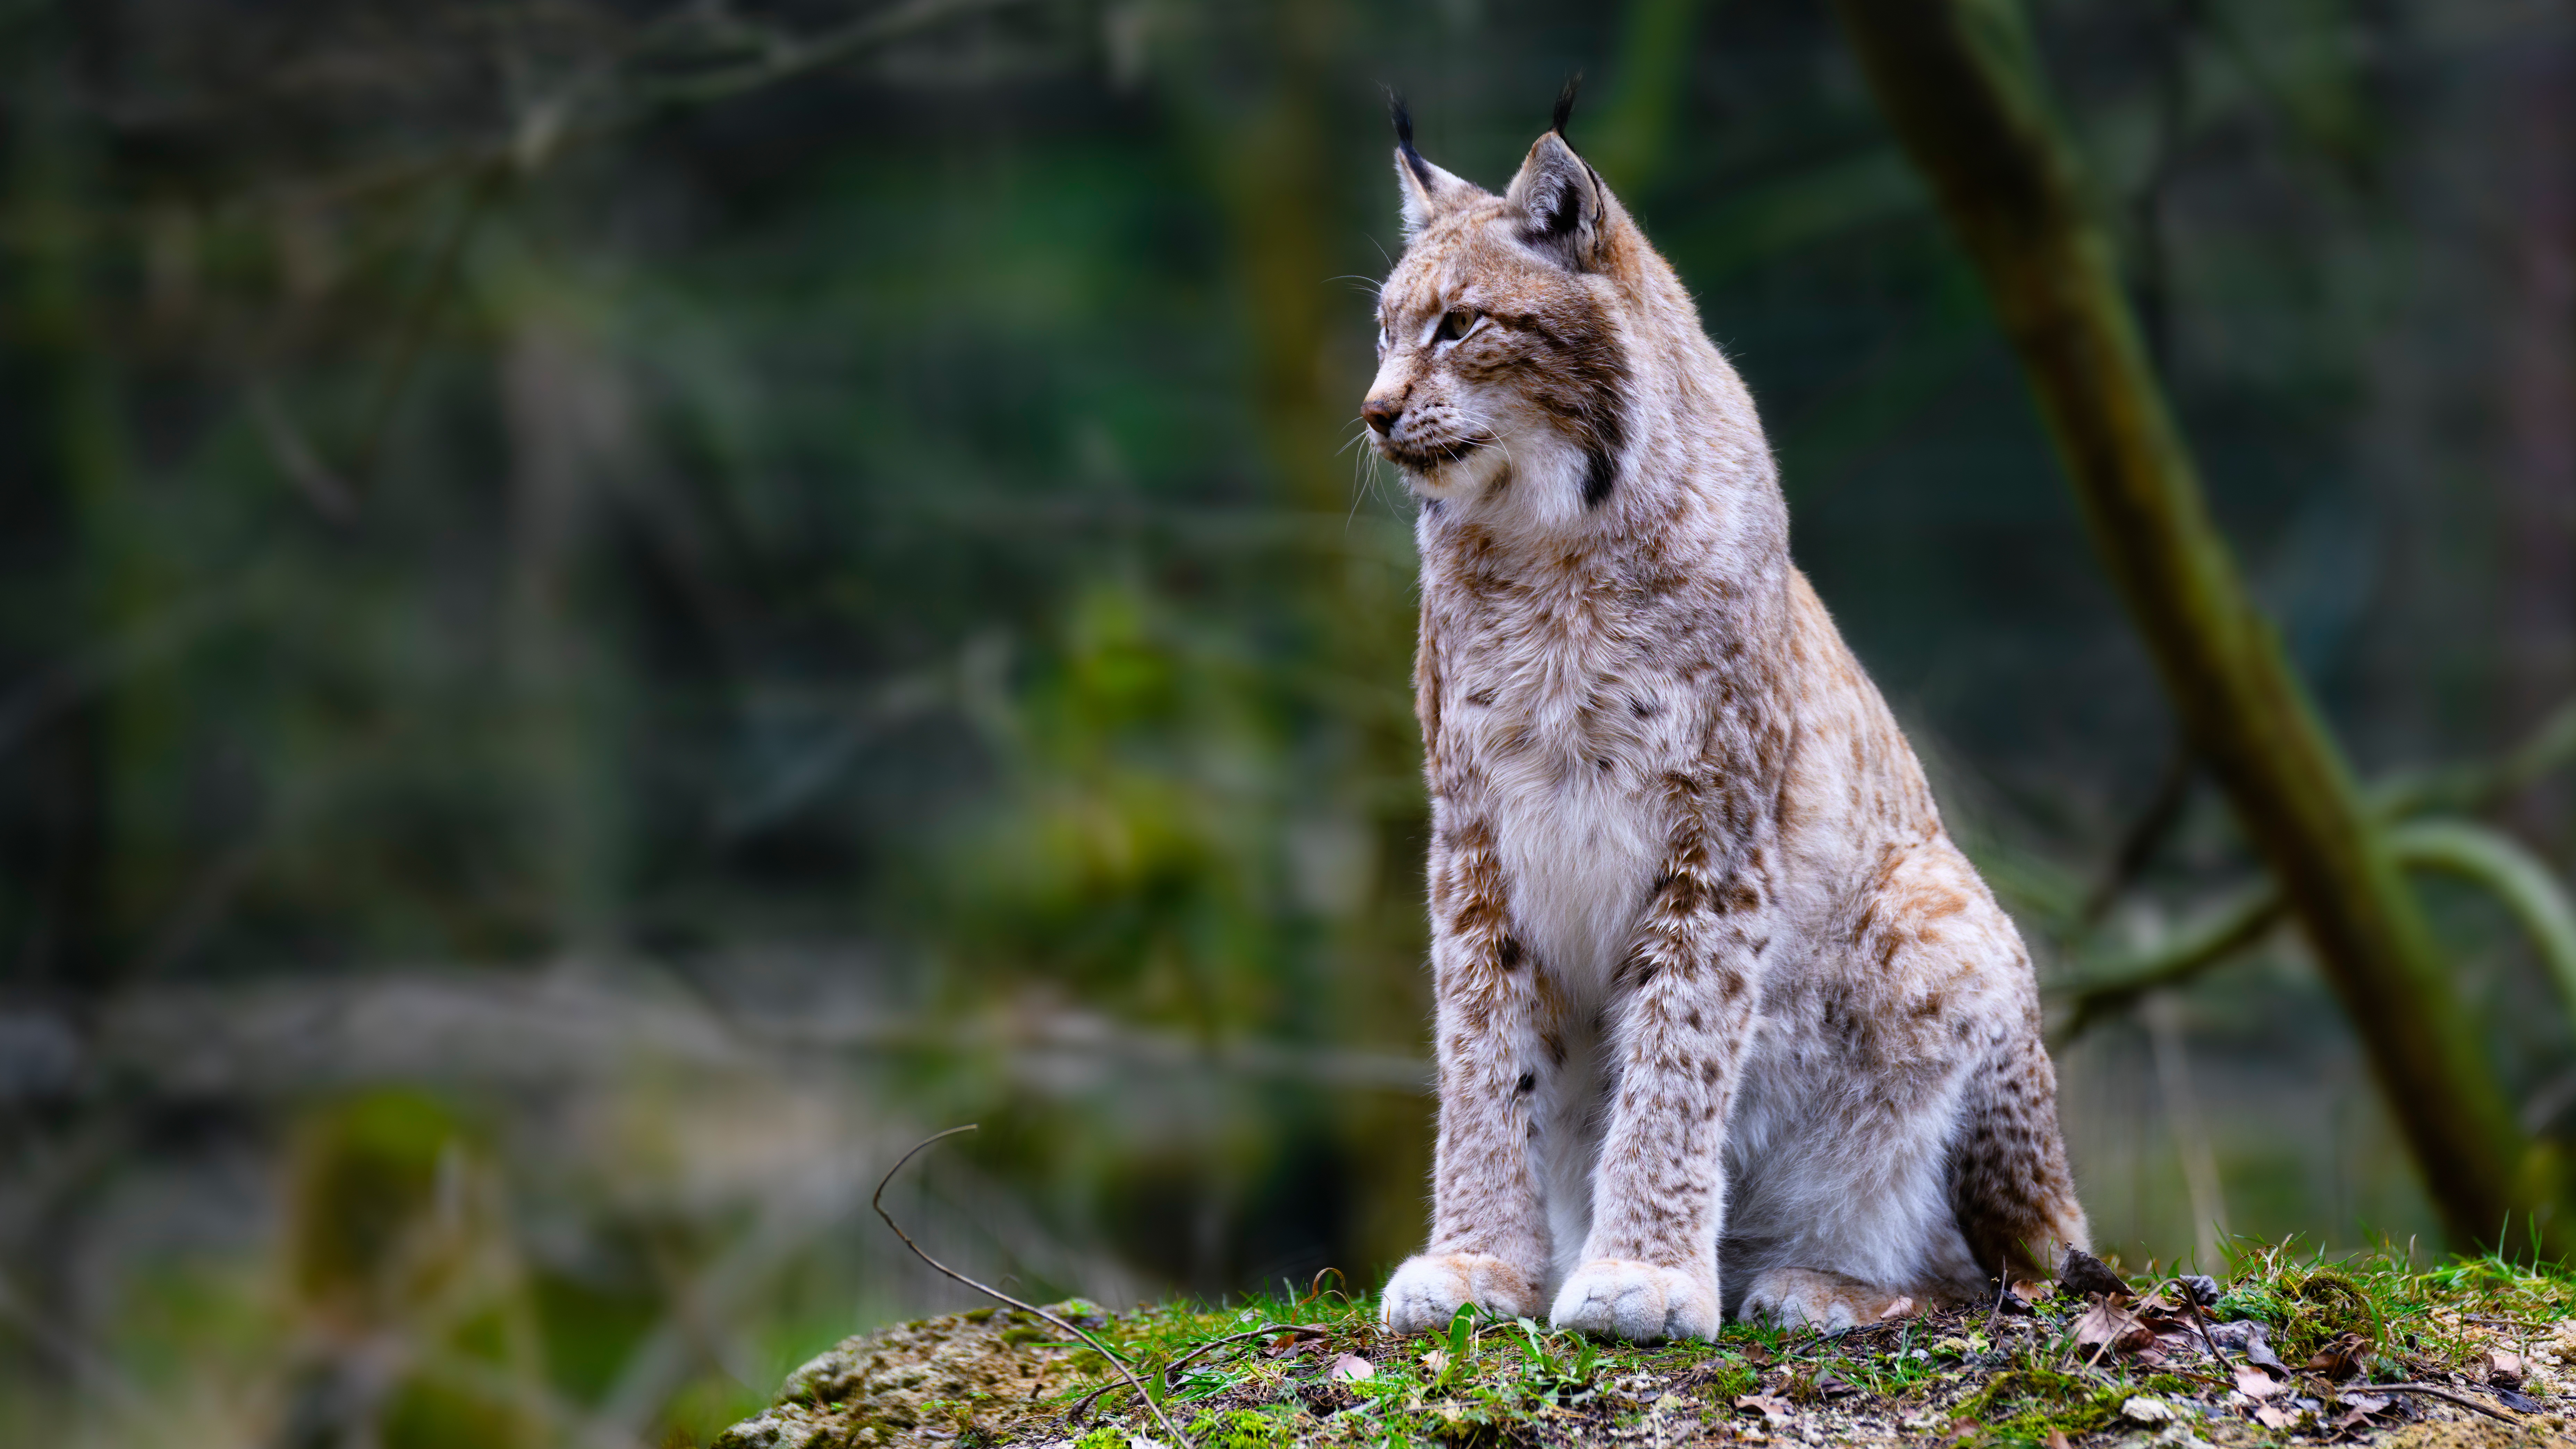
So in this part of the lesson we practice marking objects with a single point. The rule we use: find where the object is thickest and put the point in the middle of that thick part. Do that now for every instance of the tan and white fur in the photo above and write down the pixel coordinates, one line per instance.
(1725, 1019)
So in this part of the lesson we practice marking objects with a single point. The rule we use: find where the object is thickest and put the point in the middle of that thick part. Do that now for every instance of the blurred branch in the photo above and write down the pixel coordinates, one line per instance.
(1960, 83)
(2495, 860)
(291, 1036)
(414, 335)
(2519, 880)
(2145, 835)
(2231, 930)
(84, 1363)
(45, 698)
(785, 56)
(2479, 784)
(330, 495)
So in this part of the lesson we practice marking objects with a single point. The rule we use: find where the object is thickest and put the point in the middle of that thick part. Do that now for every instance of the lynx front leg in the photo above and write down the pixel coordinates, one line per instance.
(1489, 1242)
(1650, 1261)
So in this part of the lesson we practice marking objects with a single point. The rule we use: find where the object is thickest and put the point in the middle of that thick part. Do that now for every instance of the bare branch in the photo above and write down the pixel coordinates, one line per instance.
(877, 1200)
(2234, 929)
(2439, 1392)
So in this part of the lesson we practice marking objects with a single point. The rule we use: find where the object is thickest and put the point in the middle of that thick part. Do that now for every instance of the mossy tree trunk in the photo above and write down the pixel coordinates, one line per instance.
(1959, 82)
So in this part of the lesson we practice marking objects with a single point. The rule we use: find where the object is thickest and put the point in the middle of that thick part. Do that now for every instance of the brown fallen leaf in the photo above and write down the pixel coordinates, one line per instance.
(2253, 1383)
(1350, 1368)
(2107, 1323)
(1295, 1340)
(1769, 1406)
(2340, 1359)
(2084, 1273)
(2158, 1313)
(2179, 1343)
(2057, 1440)
(2504, 1368)
(1901, 1308)
(2271, 1416)
(2032, 1290)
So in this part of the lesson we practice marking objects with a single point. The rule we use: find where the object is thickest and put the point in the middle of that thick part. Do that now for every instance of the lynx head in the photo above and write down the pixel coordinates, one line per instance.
(1502, 370)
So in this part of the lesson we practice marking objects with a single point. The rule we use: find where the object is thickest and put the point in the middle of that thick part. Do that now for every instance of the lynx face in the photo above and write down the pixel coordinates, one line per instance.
(1500, 365)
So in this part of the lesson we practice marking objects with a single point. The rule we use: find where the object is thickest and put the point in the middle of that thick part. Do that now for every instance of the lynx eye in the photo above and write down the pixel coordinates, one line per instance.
(1455, 324)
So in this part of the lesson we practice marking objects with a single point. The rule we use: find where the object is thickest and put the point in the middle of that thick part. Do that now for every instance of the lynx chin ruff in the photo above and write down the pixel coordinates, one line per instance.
(1725, 1020)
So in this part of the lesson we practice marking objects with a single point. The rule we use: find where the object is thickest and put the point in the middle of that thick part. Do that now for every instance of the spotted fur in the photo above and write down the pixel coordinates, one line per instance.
(1714, 985)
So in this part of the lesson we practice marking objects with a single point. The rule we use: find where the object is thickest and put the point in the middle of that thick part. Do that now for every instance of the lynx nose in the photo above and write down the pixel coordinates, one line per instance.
(1380, 414)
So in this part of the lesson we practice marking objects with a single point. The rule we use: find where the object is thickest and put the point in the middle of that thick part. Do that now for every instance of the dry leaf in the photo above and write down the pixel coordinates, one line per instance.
(1769, 1406)
(2107, 1322)
(1350, 1368)
(2504, 1368)
(2084, 1273)
(2057, 1440)
(2032, 1291)
(2366, 1403)
(2340, 1359)
(1437, 1361)
(2271, 1416)
(2253, 1383)
(1898, 1309)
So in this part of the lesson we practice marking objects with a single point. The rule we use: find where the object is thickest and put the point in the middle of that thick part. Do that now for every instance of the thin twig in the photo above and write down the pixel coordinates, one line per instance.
(2191, 1301)
(2439, 1392)
(1176, 1365)
(1082, 1406)
(877, 1200)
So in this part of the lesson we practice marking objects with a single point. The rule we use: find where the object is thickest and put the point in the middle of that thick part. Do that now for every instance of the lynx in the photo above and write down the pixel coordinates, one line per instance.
(1725, 1022)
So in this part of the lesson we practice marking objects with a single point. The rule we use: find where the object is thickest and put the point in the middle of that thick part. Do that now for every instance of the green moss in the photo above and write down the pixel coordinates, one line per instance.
(1732, 1378)
(2020, 1405)
(1242, 1429)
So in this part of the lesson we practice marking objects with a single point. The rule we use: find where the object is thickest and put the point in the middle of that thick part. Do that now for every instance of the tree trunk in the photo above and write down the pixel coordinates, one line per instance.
(1958, 80)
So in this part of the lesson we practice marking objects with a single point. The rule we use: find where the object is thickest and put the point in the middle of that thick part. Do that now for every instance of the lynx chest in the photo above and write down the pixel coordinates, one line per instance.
(1562, 737)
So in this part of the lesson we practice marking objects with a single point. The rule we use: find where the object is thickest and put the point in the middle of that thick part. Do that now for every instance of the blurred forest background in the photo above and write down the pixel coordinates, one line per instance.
(611, 609)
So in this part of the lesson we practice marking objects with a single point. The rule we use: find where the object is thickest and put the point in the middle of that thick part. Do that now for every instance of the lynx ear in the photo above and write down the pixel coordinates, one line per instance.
(1429, 192)
(1563, 206)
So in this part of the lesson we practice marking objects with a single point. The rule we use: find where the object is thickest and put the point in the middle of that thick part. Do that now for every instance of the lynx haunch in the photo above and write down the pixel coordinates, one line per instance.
(1726, 1023)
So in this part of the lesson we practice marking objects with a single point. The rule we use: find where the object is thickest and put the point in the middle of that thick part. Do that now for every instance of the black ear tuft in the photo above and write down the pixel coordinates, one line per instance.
(1565, 103)
(1397, 112)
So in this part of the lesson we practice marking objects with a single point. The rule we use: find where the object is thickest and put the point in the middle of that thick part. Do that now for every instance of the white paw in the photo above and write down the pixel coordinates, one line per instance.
(1616, 1298)
(1830, 1302)
(1426, 1291)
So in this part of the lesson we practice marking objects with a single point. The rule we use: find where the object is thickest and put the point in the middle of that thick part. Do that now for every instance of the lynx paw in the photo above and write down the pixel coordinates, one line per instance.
(1426, 1291)
(1807, 1298)
(1616, 1298)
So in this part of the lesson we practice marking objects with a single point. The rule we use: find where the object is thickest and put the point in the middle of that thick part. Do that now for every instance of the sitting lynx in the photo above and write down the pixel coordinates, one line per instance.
(1714, 985)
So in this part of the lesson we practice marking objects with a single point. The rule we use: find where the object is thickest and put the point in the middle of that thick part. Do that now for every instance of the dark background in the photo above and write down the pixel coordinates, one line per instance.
(610, 611)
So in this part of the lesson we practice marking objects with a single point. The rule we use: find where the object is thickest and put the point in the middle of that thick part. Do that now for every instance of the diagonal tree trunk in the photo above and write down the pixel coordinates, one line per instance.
(1959, 82)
